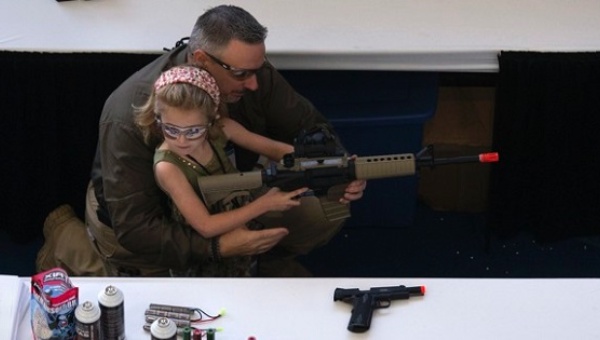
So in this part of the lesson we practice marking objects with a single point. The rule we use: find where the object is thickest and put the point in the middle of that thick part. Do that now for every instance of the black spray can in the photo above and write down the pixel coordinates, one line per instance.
(87, 322)
(112, 308)
(163, 329)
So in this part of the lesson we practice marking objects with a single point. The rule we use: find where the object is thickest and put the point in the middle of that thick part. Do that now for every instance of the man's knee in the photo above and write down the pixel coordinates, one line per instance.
(67, 246)
(308, 226)
(302, 242)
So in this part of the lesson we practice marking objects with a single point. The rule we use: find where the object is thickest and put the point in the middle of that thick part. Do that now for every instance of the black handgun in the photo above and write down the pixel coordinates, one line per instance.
(365, 301)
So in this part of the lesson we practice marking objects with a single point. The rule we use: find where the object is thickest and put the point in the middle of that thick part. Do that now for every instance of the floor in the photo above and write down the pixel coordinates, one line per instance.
(442, 244)
(438, 244)
(18, 258)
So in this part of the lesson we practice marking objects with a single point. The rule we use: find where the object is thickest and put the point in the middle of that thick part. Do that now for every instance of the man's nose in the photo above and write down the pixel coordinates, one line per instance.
(251, 83)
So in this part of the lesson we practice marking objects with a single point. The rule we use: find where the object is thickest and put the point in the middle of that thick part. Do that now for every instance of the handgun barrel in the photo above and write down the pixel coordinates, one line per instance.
(398, 292)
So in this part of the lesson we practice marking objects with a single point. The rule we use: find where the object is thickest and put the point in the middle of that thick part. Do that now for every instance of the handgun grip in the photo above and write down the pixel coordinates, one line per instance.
(362, 312)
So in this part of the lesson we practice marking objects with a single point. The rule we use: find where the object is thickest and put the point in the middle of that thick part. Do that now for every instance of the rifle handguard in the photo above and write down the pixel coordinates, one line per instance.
(384, 166)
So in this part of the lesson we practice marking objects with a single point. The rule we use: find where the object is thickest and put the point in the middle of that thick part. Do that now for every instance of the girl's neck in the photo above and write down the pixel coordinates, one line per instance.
(202, 153)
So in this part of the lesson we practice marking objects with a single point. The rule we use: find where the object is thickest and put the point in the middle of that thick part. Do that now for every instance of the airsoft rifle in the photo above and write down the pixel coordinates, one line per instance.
(320, 163)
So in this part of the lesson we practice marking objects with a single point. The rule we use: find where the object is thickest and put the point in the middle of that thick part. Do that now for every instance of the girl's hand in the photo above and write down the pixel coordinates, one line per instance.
(277, 200)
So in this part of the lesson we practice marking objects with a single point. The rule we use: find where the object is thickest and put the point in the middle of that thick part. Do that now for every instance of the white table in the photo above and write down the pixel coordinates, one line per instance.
(431, 35)
(304, 308)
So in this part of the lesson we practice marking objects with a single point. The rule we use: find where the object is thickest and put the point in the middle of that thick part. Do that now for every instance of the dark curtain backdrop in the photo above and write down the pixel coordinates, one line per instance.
(547, 130)
(50, 104)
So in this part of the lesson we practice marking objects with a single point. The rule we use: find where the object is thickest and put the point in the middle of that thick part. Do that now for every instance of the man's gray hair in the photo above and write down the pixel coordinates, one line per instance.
(219, 25)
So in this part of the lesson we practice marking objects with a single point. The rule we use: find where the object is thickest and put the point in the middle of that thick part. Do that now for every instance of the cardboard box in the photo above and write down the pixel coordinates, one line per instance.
(455, 187)
(462, 125)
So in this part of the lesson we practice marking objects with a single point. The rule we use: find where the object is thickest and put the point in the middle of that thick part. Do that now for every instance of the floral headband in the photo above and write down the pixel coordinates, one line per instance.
(190, 75)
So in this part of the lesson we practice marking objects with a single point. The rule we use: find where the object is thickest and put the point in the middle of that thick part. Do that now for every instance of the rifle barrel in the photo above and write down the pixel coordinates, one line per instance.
(489, 157)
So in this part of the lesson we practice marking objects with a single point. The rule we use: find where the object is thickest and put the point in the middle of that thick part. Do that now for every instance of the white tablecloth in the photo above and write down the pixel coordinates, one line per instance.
(304, 308)
(458, 35)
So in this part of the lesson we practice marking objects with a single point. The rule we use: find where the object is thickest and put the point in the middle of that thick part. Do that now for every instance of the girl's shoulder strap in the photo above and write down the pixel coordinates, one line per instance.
(189, 168)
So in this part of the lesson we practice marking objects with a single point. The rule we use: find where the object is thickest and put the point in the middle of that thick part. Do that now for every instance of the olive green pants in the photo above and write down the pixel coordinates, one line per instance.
(117, 260)
(67, 245)
(307, 224)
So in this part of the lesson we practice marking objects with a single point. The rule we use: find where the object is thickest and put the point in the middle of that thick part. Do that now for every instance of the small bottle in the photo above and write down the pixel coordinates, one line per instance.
(112, 308)
(163, 329)
(187, 333)
(210, 334)
(87, 322)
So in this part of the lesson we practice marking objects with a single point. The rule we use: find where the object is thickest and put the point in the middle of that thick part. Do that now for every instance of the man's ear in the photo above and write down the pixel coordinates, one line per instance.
(199, 58)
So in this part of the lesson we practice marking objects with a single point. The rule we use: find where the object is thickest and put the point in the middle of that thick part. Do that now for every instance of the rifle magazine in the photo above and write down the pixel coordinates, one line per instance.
(334, 210)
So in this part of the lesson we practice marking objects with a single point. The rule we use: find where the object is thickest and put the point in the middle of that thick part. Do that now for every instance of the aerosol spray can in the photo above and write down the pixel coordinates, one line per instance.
(87, 322)
(112, 308)
(163, 329)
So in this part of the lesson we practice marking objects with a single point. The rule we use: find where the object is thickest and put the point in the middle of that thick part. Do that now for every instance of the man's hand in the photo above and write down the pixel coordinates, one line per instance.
(354, 191)
(242, 241)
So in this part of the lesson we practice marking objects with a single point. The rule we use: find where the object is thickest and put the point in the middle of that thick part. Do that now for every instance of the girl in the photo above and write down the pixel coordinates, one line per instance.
(184, 111)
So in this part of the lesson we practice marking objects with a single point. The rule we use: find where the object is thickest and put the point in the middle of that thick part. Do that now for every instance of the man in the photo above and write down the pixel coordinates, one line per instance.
(125, 211)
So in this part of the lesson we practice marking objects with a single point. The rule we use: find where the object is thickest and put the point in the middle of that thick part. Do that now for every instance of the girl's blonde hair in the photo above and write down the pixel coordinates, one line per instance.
(184, 87)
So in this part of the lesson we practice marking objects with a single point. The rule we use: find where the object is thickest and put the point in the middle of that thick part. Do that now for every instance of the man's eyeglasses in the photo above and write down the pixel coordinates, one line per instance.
(173, 132)
(237, 73)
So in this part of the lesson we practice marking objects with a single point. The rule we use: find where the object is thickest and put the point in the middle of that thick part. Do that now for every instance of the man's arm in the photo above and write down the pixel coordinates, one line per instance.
(135, 204)
(277, 111)
(286, 112)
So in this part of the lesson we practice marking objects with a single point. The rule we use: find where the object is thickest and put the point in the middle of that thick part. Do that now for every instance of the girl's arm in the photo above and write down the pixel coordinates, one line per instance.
(267, 147)
(170, 178)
